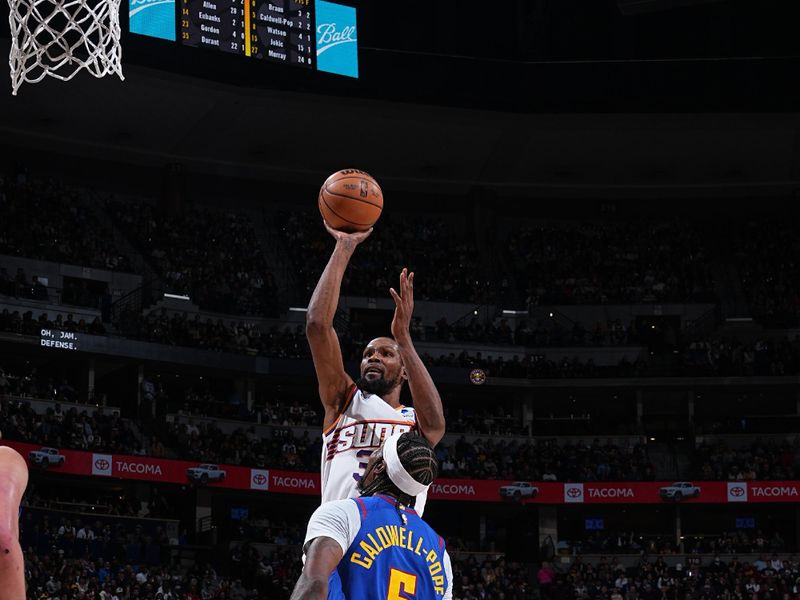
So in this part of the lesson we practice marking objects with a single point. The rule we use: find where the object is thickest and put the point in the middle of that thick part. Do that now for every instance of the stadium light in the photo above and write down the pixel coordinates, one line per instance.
(515, 312)
(177, 297)
(297, 309)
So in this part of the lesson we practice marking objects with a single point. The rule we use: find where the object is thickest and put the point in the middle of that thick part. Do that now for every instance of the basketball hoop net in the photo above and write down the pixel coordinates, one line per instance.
(60, 37)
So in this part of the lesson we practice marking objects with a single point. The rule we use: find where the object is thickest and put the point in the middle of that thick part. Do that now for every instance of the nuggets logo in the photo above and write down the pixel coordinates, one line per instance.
(477, 376)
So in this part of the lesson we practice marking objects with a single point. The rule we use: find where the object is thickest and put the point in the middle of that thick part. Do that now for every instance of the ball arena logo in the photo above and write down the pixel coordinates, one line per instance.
(329, 36)
(337, 38)
(448, 489)
(477, 376)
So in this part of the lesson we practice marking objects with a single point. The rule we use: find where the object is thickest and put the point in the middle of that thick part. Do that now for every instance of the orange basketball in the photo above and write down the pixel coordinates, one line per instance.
(350, 200)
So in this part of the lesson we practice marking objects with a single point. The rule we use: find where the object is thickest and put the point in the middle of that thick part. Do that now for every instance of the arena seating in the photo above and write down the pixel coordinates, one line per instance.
(490, 449)
(30, 324)
(761, 459)
(429, 246)
(491, 578)
(90, 429)
(207, 443)
(769, 576)
(45, 219)
(608, 262)
(53, 575)
(214, 256)
(632, 543)
(543, 461)
(539, 334)
(765, 254)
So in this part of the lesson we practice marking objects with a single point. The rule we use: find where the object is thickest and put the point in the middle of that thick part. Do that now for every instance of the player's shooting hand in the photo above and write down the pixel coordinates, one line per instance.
(349, 240)
(404, 306)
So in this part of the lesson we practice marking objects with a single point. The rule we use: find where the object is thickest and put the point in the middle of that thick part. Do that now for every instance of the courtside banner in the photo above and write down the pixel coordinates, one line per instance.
(773, 491)
(483, 490)
(157, 470)
(645, 492)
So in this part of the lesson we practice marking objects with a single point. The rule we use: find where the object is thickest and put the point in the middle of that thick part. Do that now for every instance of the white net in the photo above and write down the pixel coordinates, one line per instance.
(60, 37)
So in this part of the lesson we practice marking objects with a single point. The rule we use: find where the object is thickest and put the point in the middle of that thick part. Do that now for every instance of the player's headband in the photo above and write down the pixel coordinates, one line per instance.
(396, 471)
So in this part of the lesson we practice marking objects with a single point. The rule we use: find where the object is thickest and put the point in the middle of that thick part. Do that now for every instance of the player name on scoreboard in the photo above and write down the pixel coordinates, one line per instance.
(276, 30)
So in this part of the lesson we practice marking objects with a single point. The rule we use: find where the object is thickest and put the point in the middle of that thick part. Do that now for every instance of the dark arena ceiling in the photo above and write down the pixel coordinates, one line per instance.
(550, 98)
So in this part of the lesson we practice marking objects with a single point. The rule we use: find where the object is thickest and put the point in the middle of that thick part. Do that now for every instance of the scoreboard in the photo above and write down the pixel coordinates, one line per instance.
(277, 30)
(311, 34)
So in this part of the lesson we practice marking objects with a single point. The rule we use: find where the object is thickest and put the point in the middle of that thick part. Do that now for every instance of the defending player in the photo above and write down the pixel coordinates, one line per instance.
(375, 546)
(359, 415)
(13, 480)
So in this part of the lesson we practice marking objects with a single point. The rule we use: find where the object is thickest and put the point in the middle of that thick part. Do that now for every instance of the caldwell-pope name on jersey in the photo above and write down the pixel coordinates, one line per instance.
(365, 435)
(388, 536)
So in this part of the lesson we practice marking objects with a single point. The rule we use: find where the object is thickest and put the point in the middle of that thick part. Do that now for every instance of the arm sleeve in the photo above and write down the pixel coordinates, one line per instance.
(448, 571)
(339, 520)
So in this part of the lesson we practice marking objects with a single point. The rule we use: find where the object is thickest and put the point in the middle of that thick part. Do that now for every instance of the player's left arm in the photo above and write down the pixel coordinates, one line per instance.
(322, 556)
(427, 402)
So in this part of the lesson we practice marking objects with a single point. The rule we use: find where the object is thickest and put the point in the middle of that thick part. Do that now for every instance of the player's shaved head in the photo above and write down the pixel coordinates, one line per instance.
(379, 341)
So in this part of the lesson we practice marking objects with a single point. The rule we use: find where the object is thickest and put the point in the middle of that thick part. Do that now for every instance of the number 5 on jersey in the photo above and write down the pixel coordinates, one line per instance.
(402, 585)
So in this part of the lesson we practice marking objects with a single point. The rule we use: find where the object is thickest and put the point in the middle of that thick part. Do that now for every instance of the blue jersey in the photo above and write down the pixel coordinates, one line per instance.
(389, 559)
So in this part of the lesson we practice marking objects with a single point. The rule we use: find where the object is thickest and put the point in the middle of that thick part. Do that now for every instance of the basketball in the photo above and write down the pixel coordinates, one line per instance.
(350, 200)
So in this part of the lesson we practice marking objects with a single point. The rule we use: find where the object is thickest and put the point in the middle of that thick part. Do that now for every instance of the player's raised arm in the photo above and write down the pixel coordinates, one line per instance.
(325, 350)
(427, 402)
(322, 557)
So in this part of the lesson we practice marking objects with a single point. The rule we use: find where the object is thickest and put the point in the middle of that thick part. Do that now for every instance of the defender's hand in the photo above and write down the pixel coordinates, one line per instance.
(404, 306)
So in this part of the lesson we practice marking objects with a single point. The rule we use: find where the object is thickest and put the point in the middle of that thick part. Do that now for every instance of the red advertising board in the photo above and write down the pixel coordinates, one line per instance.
(144, 468)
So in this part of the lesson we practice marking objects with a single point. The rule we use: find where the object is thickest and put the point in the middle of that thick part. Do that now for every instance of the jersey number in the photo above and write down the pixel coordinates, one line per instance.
(363, 460)
(402, 585)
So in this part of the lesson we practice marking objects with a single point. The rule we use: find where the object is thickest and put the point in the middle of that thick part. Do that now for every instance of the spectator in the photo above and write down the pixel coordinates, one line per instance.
(545, 577)
(214, 256)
